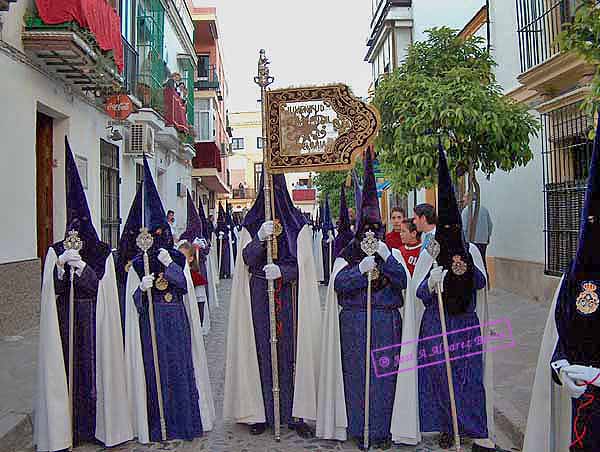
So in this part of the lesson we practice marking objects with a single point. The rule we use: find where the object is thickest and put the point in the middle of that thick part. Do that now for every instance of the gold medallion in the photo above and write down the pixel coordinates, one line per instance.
(128, 266)
(161, 283)
(168, 297)
(587, 301)
(459, 267)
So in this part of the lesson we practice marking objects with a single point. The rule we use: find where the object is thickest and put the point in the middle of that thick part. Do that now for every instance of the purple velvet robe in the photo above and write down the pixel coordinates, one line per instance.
(255, 256)
(173, 337)
(84, 346)
(386, 330)
(467, 373)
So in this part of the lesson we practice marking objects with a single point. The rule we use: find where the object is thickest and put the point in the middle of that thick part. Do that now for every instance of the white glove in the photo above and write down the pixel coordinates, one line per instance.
(367, 264)
(164, 257)
(437, 276)
(383, 251)
(68, 256)
(79, 265)
(265, 231)
(582, 374)
(330, 237)
(221, 235)
(202, 243)
(272, 271)
(147, 282)
(574, 390)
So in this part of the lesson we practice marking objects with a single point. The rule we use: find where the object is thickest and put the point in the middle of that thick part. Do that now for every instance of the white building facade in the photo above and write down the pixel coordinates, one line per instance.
(48, 96)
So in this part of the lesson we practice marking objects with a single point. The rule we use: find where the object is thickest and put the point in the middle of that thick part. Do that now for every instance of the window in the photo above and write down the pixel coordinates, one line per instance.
(303, 182)
(259, 142)
(109, 193)
(237, 144)
(211, 200)
(566, 155)
(202, 120)
(203, 66)
(257, 175)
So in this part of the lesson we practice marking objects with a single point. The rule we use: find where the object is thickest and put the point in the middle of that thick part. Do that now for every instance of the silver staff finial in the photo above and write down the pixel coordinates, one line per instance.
(263, 79)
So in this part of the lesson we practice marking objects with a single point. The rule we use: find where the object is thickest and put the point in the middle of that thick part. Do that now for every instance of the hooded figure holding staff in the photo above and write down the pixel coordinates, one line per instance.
(248, 374)
(461, 278)
(83, 399)
(342, 396)
(170, 394)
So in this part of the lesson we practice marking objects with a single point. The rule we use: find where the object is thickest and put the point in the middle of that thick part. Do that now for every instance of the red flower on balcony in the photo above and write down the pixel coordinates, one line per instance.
(95, 15)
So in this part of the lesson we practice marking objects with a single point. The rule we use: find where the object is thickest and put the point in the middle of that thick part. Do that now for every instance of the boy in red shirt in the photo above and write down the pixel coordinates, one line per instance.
(393, 239)
(411, 247)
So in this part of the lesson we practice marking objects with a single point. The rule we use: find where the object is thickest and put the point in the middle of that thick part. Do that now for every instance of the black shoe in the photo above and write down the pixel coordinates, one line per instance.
(446, 441)
(303, 430)
(258, 429)
(384, 444)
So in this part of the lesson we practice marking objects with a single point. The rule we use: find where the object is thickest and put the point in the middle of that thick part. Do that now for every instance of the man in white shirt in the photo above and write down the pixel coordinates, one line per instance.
(425, 220)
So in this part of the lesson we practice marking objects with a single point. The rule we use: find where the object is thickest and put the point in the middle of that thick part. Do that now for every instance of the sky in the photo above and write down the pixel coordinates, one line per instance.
(309, 42)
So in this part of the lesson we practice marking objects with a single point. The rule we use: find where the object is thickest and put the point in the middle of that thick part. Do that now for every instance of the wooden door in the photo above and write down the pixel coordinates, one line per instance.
(44, 166)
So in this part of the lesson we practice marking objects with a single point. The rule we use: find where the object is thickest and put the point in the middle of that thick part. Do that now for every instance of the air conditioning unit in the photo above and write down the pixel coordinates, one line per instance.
(141, 141)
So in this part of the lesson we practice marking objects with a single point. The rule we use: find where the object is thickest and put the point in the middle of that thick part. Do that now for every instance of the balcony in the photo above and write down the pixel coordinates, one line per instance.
(175, 112)
(209, 80)
(82, 49)
(244, 193)
(546, 71)
(207, 167)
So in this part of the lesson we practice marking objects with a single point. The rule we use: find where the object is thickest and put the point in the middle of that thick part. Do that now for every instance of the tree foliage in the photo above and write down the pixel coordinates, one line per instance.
(446, 90)
(583, 37)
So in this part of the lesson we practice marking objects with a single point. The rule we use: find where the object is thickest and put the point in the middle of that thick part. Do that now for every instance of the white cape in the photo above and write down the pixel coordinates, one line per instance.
(550, 419)
(136, 376)
(52, 429)
(214, 261)
(332, 419)
(243, 395)
(318, 255)
(405, 416)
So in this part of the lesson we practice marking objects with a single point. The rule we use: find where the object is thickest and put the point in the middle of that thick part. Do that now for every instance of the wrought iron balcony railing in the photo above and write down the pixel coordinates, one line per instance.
(244, 193)
(208, 80)
(539, 23)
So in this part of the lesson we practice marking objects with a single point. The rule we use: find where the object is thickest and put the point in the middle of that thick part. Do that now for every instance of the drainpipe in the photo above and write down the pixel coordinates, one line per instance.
(487, 20)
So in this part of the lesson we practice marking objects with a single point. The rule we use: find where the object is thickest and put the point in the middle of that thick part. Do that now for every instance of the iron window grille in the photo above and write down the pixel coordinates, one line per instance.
(539, 23)
(109, 189)
(188, 76)
(566, 156)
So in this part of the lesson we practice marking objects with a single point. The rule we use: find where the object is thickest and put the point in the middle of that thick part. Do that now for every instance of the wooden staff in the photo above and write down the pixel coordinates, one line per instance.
(434, 250)
(72, 242)
(263, 79)
(369, 246)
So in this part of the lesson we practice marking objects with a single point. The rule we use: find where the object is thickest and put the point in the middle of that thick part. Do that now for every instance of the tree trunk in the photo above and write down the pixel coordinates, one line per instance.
(474, 192)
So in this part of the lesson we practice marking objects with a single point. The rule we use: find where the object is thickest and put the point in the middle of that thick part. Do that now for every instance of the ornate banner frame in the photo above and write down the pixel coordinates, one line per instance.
(357, 125)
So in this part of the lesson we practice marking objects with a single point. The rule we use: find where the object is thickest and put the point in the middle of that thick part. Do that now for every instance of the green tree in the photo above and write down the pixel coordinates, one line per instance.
(582, 36)
(446, 91)
(330, 184)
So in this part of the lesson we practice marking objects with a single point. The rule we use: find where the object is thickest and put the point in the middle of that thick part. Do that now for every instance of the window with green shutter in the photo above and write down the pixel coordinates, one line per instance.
(150, 42)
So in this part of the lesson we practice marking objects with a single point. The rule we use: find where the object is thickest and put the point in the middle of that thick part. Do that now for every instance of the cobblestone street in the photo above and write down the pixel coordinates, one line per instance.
(226, 437)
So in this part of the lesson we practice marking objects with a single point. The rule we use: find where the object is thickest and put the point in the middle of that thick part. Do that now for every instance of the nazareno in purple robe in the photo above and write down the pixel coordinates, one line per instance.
(386, 330)
(467, 373)
(84, 346)
(173, 337)
(255, 256)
